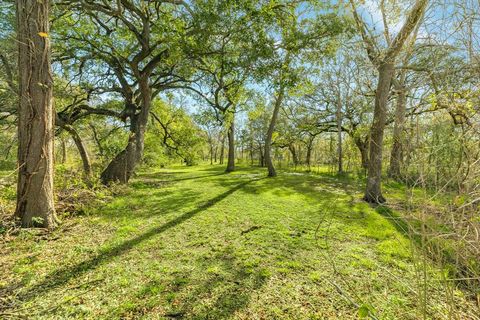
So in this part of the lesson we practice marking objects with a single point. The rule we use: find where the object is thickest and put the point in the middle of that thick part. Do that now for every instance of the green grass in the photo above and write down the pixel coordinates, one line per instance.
(194, 243)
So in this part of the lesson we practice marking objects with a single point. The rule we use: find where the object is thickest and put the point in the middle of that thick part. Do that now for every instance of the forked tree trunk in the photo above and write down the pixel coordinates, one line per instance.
(373, 192)
(271, 129)
(396, 156)
(35, 204)
(82, 150)
(231, 147)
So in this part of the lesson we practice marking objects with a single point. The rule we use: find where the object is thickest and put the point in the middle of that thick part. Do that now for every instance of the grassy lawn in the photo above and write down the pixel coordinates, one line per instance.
(194, 243)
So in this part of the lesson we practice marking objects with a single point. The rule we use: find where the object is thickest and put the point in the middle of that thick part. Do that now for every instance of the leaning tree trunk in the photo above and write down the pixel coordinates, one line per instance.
(271, 129)
(122, 167)
(231, 147)
(35, 204)
(373, 192)
(82, 150)
(396, 156)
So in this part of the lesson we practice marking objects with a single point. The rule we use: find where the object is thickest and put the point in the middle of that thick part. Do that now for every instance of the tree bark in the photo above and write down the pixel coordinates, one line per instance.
(35, 203)
(373, 192)
(231, 147)
(122, 167)
(211, 151)
(222, 150)
(82, 150)
(309, 151)
(396, 156)
(385, 63)
(339, 134)
(271, 129)
(261, 156)
(293, 151)
(363, 148)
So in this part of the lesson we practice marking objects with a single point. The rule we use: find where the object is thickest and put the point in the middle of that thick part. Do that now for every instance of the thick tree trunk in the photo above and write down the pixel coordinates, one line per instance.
(231, 147)
(271, 129)
(373, 192)
(396, 156)
(82, 150)
(35, 204)
(122, 167)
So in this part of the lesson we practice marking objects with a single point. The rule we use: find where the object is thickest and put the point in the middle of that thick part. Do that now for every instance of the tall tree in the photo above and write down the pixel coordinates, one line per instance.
(400, 86)
(228, 38)
(130, 50)
(292, 39)
(384, 61)
(35, 202)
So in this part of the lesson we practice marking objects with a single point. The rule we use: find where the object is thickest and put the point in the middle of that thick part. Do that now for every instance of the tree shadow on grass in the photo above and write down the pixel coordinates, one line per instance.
(152, 179)
(231, 292)
(208, 294)
(147, 204)
(61, 276)
(314, 187)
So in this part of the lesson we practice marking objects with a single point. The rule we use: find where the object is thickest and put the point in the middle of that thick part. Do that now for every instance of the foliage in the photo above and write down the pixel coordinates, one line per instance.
(198, 243)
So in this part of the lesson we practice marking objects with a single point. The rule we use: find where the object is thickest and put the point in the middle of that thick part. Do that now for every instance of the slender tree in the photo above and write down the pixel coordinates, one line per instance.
(385, 63)
(287, 66)
(227, 42)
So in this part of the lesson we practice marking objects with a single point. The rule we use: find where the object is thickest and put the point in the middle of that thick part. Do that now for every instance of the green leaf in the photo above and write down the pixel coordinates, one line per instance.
(364, 310)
